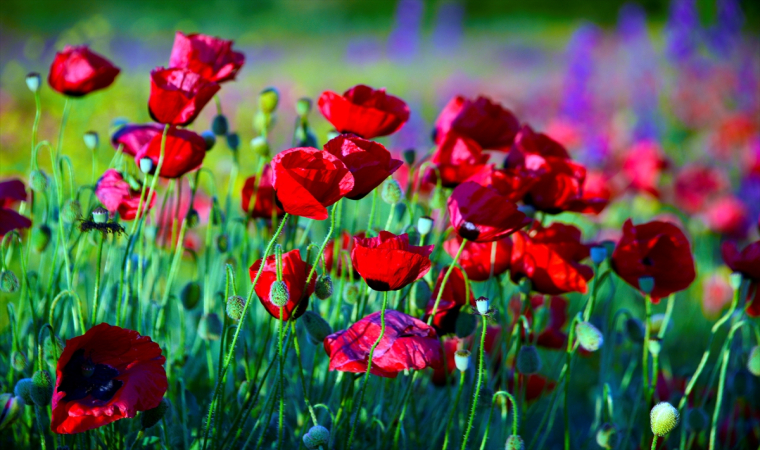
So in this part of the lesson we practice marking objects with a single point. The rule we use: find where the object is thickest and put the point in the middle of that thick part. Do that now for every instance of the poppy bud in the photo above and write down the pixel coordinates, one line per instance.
(589, 336)
(634, 329)
(38, 181)
(219, 125)
(210, 139)
(152, 416)
(242, 392)
(235, 306)
(191, 294)
(72, 211)
(19, 361)
(391, 192)
(41, 237)
(697, 419)
(53, 347)
(324, 287)
(351, 293)
(438, 199)
(525, 285)
(663, 419)
(33, 81)
(742, 383)
(465, 325)
(410, 156)
(8, 282)
(607, 436)
(528, 210)
(753, 362)
(146, 165)
(100, 215)
(483, 304)
(654, 345)
(303, 106)
(23, 389)
(233, 141)
(528, 360)
(262, 122)
(268, 99)
(317, 328)
(736, 280)
(10, 407)
(222, 243)
(646, 284)
(91, 140)
(514, 442)
(316, 437)
(462, 359)
(598, 254)
(210, 327)
(278, 293)
(42, 388)
(192, 218)
(260, 146)
(424, 225)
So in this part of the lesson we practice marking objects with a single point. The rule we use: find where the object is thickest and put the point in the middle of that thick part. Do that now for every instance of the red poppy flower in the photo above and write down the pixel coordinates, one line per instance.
(12, 191)
(551, 336)
(655, 249)
(107, 374)
(183, 152)
(210, 57)
(747, 262)
(133, 138)
(727, 215)
(476, 257)
(345, 247)
(265, 198)
(408, 344)
(369, 162)
(177, 96)
(77, 71)
(550, 257)
(453, 298)
(536, 386)
(388, 263)
(488, 123)
(117, 195)
(364, 111)
(512, 183)
(294, 273)
(695, 185)
(308, 180)
(480, 214)
(642, 165)
(450, 345)
(457, 158)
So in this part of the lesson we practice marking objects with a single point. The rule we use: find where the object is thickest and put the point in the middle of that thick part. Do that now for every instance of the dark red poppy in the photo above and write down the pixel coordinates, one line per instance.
(265, 203)
(512, 183)
(746, 262)
(345, 248)
(210, 57)
(369, 162)
(177, 96)
(308, 180)
(552, 336)
(476, 257)
(488, 123)
(12, 191)
(695, 184)
(388, 262)
(364, 111)
(655, 249)
(480, 214)
(550, 258)
(107, 374)
(457, 158)
(454, 296)
(408, 344)
(117, 195)
(183, 152)
(77, 71)
(528, 142)
(294, 273)
(133, 138)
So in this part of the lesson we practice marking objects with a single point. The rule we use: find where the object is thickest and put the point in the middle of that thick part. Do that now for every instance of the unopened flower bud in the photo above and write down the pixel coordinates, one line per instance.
(53, 347)
(233, 141)
(146, 165)
(235, 306)
(654, 345)
(736, 280)
(410, 155)
(222, 243)
(242, 392)
(219, 125)
(753, 362)
(528, 360)
(646, 284)
(324, 287)
(193, 218)
(190, 294)
(210, 138)
(260, 146)
(152, 416)
(279, 294)
(634, 329)
(391, 192)
(465, 325)
(514, 442)
(462, 360)
(33, 81)
(23, 389)
(268, 99)
(38, 181)
(351, 293)
(598, 254)
(424, 225)
(100, 215)
(483, 304)
(71, 211)
(317, 328)
(8, 282)
(19, 361)
(663, 419)
(607, 436)
(210, 327)
(589, 337)
(91, 140)
(303, 106)
(42, 388)
(41, 237)
(316, 437)
(10, 408)
(697, 419)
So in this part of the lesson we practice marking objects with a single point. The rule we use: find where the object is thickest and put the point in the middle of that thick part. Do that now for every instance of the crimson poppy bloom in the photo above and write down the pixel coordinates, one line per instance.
(364, 111)
(454, 296)
(552, 336)
(117, 195)
(210, 57)
(457, 158)
(294, 273)
(107, 374)
(488, 123)
(12, 191)
(550, 258)
(642, 166)
(177, 96)
(512, 183)
(77, 71)
(388, 262)
(476, 257)
(727, 215)
(308, 180)
(480, 214)
(265, 198)
(655, 249)
(695, 185)
(133, 137)
(345, 246)
(746, 262)
(369, 162)
(408, 344)
(183, 152)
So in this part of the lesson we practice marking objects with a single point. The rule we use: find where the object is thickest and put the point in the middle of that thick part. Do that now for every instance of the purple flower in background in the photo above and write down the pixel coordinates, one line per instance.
(725, 35)
(747, 96)
(683, 30)
(447, 34)
(578, 98)
(404, 40)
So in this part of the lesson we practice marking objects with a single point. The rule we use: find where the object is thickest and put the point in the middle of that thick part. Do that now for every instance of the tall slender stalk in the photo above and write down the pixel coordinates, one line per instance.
(480, 376)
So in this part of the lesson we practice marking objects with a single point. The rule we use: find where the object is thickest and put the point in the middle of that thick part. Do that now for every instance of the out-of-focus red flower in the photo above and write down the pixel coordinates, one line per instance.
(366, 112)
(512, 183)
(388, 262)
(476, 257)
(264, 205)
(480, 214)
(12, 191)
(307, 181)
(210, 57)
(642, 165)
(528, 142)
(408, 344)
(716, 294)
(551, 336)
(369, 162)
(134, 137)
(728, 216)
(345, 247)
(107, 374)
(457, 158)
(550, 257)
(597, 185)
(77, 71)
(488, 123)
(168, 233)
(747, 262)
(536, 386)
(734, 132)
(695, 184)
(655, 249)
(117, 195)
(454, 296)
(177, 96)
(183, 152)
(294, 273)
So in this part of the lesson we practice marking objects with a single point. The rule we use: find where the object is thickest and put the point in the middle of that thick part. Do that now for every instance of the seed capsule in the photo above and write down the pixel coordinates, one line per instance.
(663, 419)
(235, 306)
(324, 287)
(278, 293)
(528, 360)
(462, 360)
(317, 328)
(589, 337)
(42, 388)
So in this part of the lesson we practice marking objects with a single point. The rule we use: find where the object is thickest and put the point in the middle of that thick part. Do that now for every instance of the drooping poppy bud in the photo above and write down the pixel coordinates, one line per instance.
(528, 360)
(42, 388)
(663, 419)
(317, 328)
(235, 306)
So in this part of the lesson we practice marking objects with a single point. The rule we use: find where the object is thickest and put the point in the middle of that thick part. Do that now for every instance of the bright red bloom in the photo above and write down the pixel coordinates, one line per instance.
(457, 159)
(655, 249)
(480, 214)
(12, 191)
(77, 71)
(550, 257)
(695, 185)
(345, 248)
(177, 96)
(453, 298)
(210, 57)
(552, 335)
(369, 162)
(642, 165)
(308, 180)
(488, 123)
(265, 196)
(364, 111)
(117, 195)
(388, 262)
(476, 257)
(408, 344)
(528, 142)
(294, 273)
(184, 152)
(133, 138)
(107, 374)
(747, 262)
(513, 183)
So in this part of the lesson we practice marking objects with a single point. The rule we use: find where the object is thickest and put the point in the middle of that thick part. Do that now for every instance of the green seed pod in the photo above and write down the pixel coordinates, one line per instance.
(391, 192)
(279, 293)
(260, 146)
(100, 215)
(303, 106)
(233, 141)
(219, 125)
(33, 81)
(19, 361)
(53, 347)
(422, 294)
(191, 294)
(210, 138)
(192, 218)
(634, 329)
(8, 282)
(514, 442)
(607, 436)
(152, 416)
(235, 306)
(317, 328)
(646, 285)
(324, 287)
(242, 392)
(23, 389)
(268, 99)
(222, 243)
(91, 140)
(697, 419)
(210, 327)
(654, 345)
(589, 337)
(528, 360)
(42, 388)
(663, 419)
(351, 293)
(410, 155)
(38, 181)
(424, 225)
(462, 360)
(10, 408)
(465, 325)
(753, 362)
(316, 437)
(71, 211)
(598, 254)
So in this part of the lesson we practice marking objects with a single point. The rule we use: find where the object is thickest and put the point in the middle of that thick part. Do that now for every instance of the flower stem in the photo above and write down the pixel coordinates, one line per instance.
(445, 280)
(480, 375)
(645, 350)
(515, 416)
(281, 357)
(453, 410)
(96, 295)
(722, 383)
(300, 374)
(371, 221)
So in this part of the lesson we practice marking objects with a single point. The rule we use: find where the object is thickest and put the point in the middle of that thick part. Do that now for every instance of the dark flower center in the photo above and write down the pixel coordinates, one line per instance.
(82, 377)
(647, 262)
(469, 231)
